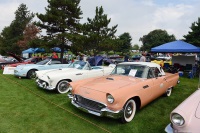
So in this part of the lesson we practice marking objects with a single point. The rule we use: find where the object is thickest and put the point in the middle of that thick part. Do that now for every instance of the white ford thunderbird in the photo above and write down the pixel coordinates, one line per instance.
(58, 79)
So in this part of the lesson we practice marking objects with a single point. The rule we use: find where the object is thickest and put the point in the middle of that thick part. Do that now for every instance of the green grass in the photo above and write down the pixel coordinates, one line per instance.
(26, 108)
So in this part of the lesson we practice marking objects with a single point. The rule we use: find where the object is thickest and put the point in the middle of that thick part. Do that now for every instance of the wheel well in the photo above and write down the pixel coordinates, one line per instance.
(138, 102)
(69, 80)
(30, 70)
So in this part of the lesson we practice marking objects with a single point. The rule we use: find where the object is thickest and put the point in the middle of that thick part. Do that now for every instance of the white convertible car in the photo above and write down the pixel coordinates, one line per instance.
(58, 79)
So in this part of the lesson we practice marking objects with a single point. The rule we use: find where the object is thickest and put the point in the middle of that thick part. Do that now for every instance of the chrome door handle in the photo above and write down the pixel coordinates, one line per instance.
(79, 74)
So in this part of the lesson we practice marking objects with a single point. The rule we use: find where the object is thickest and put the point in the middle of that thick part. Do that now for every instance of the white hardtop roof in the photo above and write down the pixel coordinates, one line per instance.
(150, 64)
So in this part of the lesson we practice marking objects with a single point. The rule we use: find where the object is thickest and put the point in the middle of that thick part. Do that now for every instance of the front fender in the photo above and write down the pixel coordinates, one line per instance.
(120, 100)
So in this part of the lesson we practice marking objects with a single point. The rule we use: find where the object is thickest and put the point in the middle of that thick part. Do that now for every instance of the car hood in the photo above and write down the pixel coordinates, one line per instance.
(190, 106)
(107, 84)
(16, 57)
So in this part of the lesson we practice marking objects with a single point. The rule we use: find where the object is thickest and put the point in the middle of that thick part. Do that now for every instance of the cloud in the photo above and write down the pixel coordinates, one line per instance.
(137, 17)
(7, 14)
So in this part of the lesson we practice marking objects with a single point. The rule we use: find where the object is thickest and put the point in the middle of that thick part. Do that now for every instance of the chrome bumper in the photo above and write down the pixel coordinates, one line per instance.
(44, 85)
(169, 129)
(104, 112)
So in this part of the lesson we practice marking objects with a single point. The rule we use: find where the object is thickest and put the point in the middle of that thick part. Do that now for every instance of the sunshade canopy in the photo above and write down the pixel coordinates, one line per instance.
(32, 50)
(176, 47)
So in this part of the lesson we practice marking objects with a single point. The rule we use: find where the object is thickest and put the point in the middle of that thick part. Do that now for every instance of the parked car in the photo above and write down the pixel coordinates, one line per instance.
(113, 60)
(10, 60)
(58, 79)
(28, 70)
(164, 57)
(161, 62)
(32, 60)
(186, 117)
(130, 86)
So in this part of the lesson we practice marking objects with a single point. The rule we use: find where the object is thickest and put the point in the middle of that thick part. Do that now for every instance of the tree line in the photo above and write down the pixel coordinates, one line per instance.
(60, 27)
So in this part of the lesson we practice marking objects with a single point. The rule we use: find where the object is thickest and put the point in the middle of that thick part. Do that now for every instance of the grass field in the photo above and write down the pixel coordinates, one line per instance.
(25, 108)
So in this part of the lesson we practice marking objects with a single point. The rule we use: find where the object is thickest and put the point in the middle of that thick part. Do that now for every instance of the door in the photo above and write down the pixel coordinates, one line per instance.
(159, 83)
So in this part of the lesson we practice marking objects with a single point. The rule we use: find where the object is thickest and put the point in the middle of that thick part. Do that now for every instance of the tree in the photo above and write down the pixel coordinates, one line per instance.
(155, 38)
(61, 22)
(193, 35)
(29, 36)
(12, 34)
(125, 43)
(97, 35)
(135, 47)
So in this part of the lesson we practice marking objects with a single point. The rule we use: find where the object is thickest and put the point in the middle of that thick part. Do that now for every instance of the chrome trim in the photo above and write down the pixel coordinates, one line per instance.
(92, 100)
(104, 111)
(44, 85)
(169, 129)
(70, 96)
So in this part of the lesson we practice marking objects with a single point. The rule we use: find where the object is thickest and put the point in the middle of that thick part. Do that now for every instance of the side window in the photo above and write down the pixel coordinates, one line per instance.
(150, 74)
(156, 72)
(55, 62)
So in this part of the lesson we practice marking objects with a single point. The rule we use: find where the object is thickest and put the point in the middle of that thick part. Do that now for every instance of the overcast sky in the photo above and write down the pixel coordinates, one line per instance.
(137, 17)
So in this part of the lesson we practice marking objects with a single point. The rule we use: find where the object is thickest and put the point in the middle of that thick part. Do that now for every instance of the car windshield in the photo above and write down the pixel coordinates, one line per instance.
(77, 64)
(43, 62)
(134, 70)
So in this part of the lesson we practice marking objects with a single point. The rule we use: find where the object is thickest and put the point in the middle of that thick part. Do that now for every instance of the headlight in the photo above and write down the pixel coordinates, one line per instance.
(110, 98)
(177, 119)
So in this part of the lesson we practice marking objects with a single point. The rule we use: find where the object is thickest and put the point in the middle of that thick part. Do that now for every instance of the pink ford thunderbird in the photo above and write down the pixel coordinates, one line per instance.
(186, 117)
(130, 86)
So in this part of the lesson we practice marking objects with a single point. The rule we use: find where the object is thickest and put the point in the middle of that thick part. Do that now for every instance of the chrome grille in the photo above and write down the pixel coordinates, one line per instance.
(89, 104)
(42, 81)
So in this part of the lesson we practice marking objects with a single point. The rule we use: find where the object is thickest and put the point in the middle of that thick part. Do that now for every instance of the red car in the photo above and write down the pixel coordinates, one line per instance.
(32, 60)
(14, 59)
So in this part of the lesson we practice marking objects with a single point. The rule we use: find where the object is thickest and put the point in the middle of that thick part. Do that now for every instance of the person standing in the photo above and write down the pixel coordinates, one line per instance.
(143, 58)
(126, 58)
(54, 55)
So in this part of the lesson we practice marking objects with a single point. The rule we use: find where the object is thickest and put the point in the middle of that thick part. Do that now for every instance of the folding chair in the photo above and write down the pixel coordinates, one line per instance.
(189, 69)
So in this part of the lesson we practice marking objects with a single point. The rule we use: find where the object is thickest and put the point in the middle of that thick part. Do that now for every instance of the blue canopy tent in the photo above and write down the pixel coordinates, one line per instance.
(39, 50)
(176, 47)
(56, 49)
(32, 50)
(29, 51)
(179, 47)
(96, 61)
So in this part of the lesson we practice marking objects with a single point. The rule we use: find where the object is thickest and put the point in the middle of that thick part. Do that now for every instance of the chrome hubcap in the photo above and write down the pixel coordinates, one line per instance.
(129, 111)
